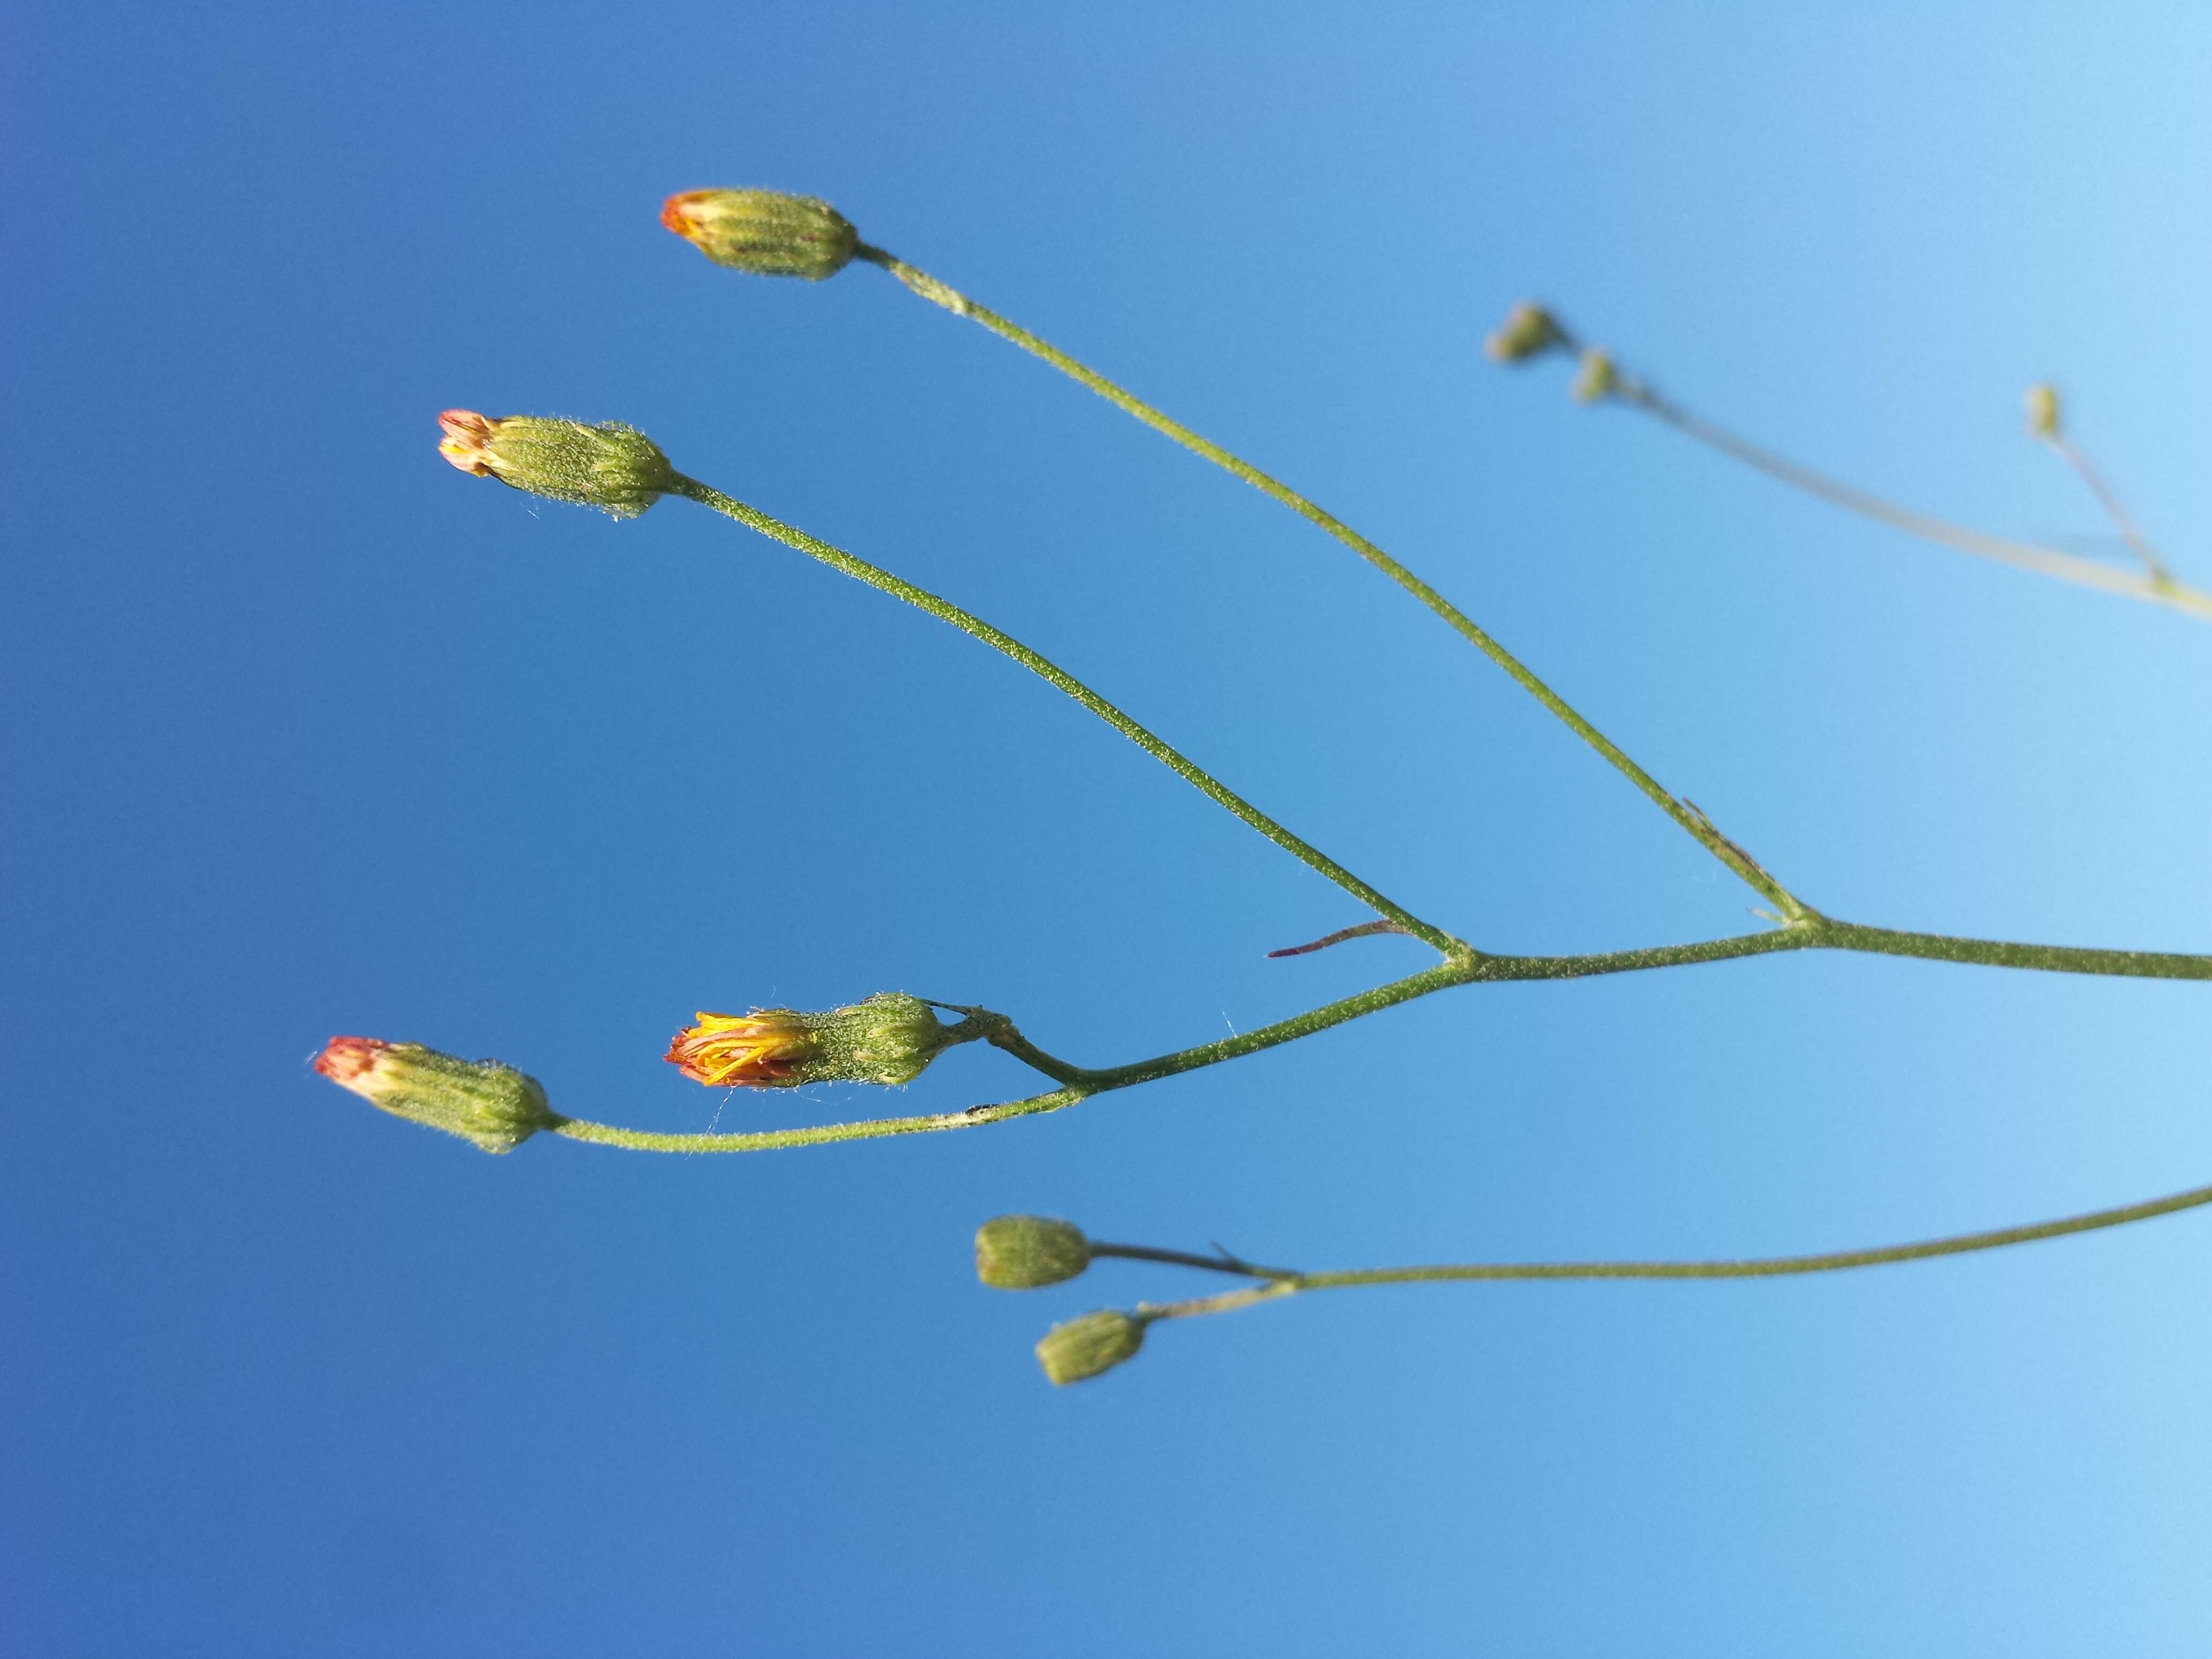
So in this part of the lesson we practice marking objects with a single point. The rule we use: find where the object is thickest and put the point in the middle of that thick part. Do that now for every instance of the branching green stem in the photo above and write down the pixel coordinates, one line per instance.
(2153, 585)
(1079, 1083)
(1692, 822)
(2109, 502)
(967, 622)
(1278, 1283)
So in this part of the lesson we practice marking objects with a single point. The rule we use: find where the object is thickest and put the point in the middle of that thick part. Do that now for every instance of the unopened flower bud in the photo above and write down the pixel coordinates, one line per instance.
(1082, 1348)
(1026, 1252)
(888, 1038)
(2043, 411)
(1529, 331)
(763, 231)
(613, 467)
(1598, 379)
(480, 1100)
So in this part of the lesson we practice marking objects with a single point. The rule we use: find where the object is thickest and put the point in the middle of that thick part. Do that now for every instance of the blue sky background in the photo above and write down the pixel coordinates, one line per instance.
(306, 734)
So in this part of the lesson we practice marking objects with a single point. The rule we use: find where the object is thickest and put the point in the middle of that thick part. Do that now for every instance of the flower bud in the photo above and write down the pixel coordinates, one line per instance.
(888, 1038)
(1082, 1348)
(2043, 411)
(1597, 380)
(613, 467)
(1529, 331)
(763, 231)
(480, 1100)
(1026, 1252)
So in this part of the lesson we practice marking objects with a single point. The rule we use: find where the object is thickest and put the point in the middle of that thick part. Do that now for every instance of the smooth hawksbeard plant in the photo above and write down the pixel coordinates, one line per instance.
(887, 1039)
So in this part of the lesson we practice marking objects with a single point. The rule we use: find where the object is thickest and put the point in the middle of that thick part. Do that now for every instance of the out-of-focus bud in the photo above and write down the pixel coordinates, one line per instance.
(1027, 1252)
(2042, 419)
(763, 231)
(1597, 380)
(1082, 1348)
(613, 467)
(1529, 331)
(480, 1100)
(888, 1038)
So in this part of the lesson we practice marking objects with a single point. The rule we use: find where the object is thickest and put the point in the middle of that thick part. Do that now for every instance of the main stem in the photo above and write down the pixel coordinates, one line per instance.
(1694, 823)
(967, 622)
(1280, 1285)
(1079, 1083)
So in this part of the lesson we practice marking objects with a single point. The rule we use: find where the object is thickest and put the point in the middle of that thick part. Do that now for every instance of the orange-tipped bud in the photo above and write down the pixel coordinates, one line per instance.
(763, 231)
(482, 1101)
(613, 467)
(887, 1039)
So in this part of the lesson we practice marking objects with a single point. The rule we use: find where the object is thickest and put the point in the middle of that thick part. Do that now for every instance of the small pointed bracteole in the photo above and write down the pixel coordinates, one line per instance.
(1364, 930)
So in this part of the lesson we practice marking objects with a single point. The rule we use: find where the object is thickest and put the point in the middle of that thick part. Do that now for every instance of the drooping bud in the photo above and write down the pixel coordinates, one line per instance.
(496, 1106)
(1529, 331)
(2043, 420)
(1026, 1252)
(763, 231)
(888, 1038)
(1597, 380)
(613, 467)
(1083, 1348)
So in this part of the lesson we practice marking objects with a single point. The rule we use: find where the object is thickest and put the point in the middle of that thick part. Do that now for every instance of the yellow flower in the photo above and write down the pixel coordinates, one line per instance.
(467, 442)
(765, 1050)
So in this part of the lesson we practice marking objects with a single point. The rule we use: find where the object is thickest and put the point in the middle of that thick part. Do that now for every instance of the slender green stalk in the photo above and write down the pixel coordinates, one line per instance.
(1280, 1283)
(1079, 1083)
(820, 1135)
(2111, 502)
(2155, 586)
(1220, 1263)
(967, 622)
(1692, 822)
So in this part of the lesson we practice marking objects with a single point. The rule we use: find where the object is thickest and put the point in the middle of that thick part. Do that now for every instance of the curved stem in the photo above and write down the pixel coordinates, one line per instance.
(1189, 771)
(1773, 1266)
(961, 306)
(2156, 587)
(820, 1135)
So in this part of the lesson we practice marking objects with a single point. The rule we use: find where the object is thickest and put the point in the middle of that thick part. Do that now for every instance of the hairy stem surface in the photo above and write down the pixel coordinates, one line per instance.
(1079, 1083)
(1280, 1283)
(1191, 773)
(1691, 821)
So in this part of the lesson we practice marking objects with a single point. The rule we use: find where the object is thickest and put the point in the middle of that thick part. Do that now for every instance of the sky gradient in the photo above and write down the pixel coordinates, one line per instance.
(307, 733)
